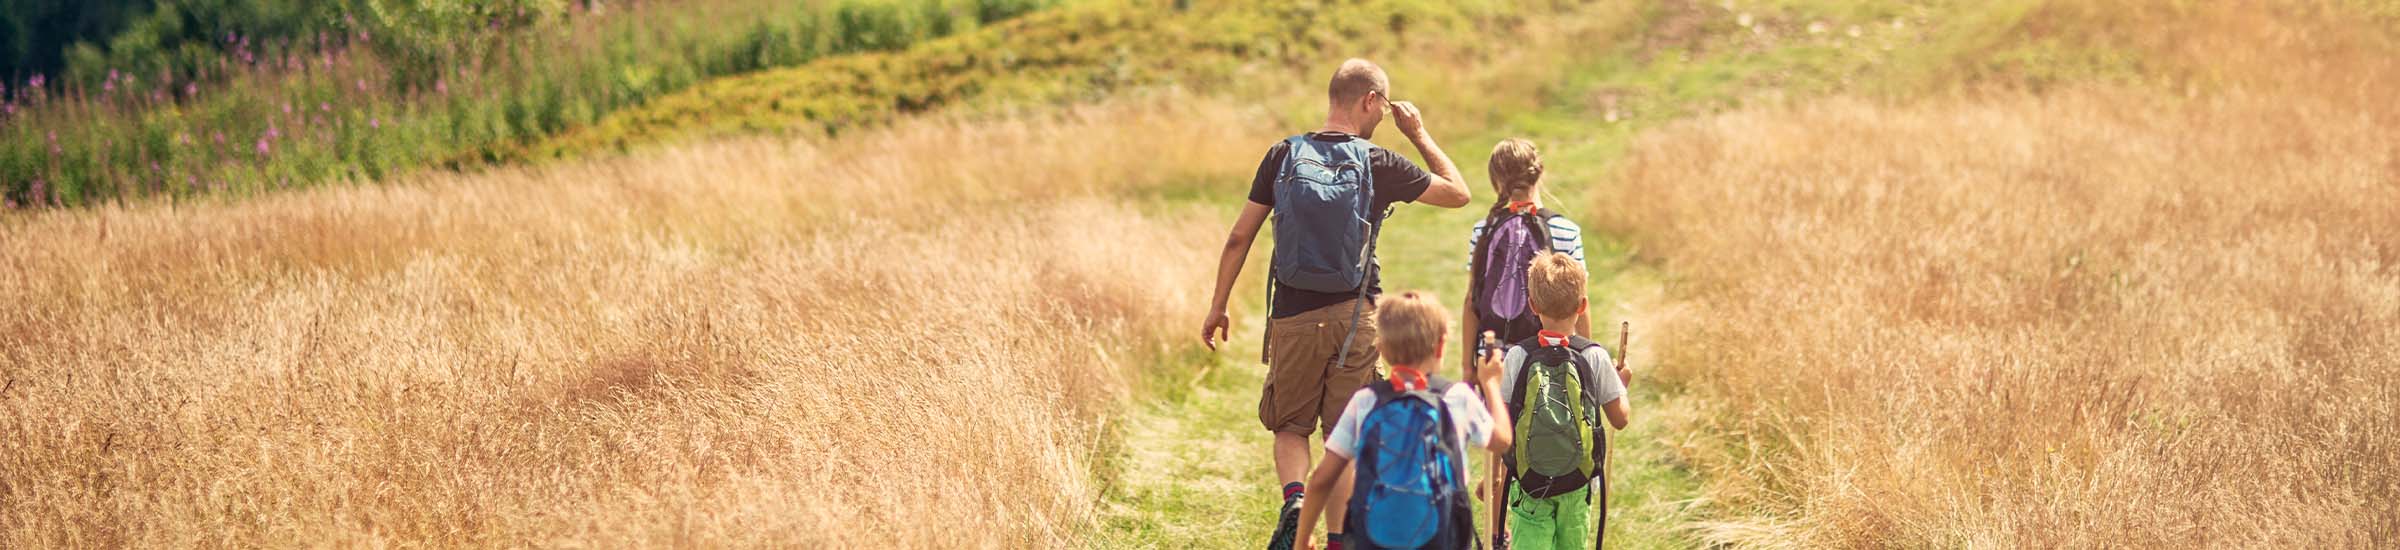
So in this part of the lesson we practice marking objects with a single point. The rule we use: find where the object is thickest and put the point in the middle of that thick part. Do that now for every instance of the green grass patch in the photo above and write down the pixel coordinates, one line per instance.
(390, 92)
(1077, 52)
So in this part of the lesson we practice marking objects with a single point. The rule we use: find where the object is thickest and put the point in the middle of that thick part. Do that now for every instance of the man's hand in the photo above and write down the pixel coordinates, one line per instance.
(1405, 117)
(1214, 329)
(1447, 189)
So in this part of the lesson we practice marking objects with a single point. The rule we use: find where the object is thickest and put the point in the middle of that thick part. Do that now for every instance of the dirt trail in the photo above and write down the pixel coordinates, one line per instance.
(1194, 471)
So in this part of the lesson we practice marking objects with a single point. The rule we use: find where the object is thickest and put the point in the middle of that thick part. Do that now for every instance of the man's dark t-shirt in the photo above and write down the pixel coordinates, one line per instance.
(1396, 180)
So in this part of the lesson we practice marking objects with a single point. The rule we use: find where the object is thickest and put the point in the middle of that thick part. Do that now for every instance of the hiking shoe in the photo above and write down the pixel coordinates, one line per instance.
(1287, 524)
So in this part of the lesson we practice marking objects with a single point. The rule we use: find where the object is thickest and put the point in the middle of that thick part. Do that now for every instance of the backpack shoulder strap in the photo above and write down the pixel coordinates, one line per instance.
(1580, 345)
(1540, 220)
(1517, 389)
(1438, 385)
(1384, 391)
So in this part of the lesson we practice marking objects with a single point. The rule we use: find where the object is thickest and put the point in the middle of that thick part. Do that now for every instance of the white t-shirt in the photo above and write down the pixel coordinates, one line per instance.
(1467, 414)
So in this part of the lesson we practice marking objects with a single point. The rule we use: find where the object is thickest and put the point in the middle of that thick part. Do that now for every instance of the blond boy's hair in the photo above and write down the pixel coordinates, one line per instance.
(1555, 282)
(1411, 326)
(1516, 166)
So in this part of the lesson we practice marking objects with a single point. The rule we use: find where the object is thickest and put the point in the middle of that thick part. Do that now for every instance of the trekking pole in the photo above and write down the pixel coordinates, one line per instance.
(1498, 483)
(1624, 334)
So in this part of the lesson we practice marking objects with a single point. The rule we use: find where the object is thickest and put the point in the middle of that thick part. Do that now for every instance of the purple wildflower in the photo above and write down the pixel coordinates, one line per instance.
(218, 137)
(40, 193)
(262, 147)
(362, 84)
(36, 82)
(274, 131)
(376, 123)
(55, 150)
(324, 107)
(441, 86)
(287, 107)
(191, 90)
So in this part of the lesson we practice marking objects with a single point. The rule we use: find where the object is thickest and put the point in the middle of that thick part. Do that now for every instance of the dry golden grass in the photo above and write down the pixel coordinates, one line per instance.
(905, 338)
(2099, 317)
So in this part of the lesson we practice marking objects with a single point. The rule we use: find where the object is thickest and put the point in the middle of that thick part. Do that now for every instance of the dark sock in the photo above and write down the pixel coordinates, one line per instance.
(1290, 489)
(1333, 541)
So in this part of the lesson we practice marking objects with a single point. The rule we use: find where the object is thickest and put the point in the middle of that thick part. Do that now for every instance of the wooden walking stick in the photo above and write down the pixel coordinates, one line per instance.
(1624, 334)
(1497, 485)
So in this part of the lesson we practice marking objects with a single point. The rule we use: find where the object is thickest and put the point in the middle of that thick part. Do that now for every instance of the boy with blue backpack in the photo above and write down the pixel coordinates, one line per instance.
(1401, 444)
(1558, 385)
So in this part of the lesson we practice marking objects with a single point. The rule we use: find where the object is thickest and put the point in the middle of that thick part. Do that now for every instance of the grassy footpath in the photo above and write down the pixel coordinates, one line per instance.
(1192, 469)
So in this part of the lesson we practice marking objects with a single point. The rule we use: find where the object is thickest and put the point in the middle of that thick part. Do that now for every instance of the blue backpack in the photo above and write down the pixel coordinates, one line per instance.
(1324, 215)
(1411, 472)
(1325, 224)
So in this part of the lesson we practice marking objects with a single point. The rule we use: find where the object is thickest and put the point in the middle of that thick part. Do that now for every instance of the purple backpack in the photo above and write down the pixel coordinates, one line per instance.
(1496, 270)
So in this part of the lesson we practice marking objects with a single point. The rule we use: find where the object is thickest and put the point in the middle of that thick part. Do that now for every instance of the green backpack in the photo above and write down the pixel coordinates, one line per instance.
(1557, 448)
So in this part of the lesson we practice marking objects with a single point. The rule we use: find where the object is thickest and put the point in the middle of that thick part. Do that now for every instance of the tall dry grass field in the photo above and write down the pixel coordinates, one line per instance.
(904, 338)
(2111, 316)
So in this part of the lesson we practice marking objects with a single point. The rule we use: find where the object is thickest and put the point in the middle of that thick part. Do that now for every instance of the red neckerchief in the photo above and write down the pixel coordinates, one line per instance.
(1522, 207)
(1552, 338)
(1403, 378)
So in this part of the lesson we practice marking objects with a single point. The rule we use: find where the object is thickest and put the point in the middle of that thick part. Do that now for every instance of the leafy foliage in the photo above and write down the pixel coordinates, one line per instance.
(380, 87)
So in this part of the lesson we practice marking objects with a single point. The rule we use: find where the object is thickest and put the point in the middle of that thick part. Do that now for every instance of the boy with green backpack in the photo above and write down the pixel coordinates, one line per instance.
(1557, 385)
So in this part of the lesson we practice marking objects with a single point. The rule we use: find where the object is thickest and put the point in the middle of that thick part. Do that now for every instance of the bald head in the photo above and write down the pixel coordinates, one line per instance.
(1354, 79)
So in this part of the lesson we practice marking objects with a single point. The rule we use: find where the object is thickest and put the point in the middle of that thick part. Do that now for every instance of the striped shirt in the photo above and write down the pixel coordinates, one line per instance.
(1565, 236)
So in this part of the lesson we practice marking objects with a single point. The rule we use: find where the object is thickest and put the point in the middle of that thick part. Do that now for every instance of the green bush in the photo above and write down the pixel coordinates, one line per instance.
(316, 91)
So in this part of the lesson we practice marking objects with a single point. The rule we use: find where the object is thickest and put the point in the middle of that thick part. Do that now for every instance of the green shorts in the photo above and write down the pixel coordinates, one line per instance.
(1560, 522)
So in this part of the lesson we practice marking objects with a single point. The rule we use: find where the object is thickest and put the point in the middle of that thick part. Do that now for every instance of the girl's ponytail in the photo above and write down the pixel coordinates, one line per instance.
(1516, 167)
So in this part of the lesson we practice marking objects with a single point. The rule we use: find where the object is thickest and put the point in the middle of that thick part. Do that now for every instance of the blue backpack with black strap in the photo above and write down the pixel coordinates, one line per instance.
(1325, 224)
(1408, 490)
(1324, 215)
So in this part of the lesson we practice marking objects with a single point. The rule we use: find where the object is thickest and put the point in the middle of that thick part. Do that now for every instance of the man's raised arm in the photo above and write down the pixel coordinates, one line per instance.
(1448, 189)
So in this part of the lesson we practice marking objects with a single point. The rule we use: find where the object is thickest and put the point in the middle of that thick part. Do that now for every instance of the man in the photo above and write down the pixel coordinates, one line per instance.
(1305, 387)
